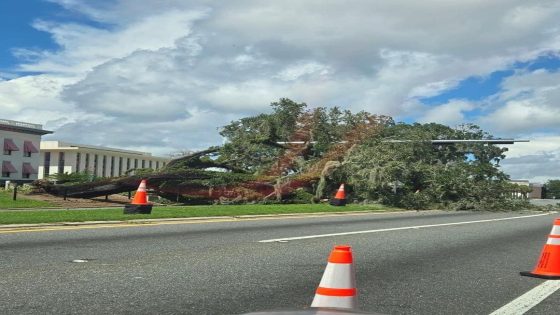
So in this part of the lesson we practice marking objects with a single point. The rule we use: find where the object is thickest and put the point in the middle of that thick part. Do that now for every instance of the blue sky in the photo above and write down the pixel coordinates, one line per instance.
(93, 70)
(17, 17)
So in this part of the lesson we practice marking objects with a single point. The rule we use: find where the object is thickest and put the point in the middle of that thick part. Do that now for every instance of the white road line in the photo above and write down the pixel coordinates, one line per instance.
(530, 299)
(397, 229)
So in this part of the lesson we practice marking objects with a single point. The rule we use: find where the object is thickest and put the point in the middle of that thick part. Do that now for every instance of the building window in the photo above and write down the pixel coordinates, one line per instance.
(135, 163)
(112, 166)
(9, 146)
(47, 164)
(143, 164)
(87, 163)
(7, 169)
(150, 164)
(127, 164)
(29, 148)
(78, 161)
(27, 170)
(157, 165)
(60, 162)
(95, 164)
(120, 165)
(104, 166)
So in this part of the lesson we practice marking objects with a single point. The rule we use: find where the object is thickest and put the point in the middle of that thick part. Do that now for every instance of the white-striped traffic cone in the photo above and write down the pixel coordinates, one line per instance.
(338, 285)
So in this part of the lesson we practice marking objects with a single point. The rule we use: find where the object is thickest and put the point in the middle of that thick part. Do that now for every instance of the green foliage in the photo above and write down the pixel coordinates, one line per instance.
(73, 178)
(418, 175)
(302, 196)
(251, 138)
(552, 189)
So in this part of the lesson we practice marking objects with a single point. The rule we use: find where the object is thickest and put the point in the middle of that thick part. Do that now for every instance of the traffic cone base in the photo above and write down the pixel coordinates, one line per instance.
(534, 275)
(137, 209)
(339, 198)
(548, 266)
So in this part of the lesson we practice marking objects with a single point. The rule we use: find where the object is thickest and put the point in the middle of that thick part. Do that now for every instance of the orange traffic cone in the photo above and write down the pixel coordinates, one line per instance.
(340, 197)
(548, 266)
(139, 203)
(338, 285)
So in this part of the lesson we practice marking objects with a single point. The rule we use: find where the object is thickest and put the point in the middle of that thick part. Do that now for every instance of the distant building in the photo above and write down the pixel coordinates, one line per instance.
(20, 158)
(537, 192)
(537, 189)
(62, 157)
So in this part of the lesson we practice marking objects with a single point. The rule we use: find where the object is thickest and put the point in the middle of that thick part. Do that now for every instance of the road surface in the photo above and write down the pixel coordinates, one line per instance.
(407, 263)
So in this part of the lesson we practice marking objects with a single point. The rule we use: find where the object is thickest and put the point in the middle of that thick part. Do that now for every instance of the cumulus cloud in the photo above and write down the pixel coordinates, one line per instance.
(528, 102)
(180, 69)
(450, 113)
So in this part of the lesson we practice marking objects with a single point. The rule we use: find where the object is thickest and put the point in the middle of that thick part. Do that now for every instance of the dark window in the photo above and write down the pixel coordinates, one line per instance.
(60, 162)
(135, 163)
(143, 164)
(104, 166)
(86, 168)
(112, 166)
(150, 164)
(47, 164)
(27, 154)
(157, 164)
(25, 175)
(5, 174)
(78, 161)
(127, 164)
(7, 152)
(120, 165)
(95, 164)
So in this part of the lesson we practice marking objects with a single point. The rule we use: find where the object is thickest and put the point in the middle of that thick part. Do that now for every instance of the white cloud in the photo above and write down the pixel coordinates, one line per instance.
(537, 160)
(171, 65)
(451, 113)
(529, 101)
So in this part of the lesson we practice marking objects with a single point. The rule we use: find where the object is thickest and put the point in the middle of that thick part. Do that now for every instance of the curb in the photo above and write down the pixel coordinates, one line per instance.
(217, 218)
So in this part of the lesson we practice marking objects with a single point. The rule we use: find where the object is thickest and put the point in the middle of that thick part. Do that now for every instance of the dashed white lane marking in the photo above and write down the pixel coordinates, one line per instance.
(398, 228)
(530, 299)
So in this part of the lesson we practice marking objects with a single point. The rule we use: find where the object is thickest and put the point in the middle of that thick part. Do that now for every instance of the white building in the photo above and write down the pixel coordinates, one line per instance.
(62, 157)
(20, 158)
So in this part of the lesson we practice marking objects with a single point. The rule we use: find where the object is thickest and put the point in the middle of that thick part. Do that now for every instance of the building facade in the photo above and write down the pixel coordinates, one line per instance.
(20, 156)
(58, 157)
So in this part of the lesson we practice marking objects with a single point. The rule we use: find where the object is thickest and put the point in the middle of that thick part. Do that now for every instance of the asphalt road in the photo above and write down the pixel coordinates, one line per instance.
(224, 268)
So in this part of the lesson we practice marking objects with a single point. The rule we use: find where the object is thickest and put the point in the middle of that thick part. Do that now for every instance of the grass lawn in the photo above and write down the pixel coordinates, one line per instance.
(50, 216)
(21, 202)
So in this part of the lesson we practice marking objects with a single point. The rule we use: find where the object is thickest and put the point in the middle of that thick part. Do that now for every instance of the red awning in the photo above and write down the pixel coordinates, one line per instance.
(28, 169)
(28, 147)
(7, 167)
(9, 145)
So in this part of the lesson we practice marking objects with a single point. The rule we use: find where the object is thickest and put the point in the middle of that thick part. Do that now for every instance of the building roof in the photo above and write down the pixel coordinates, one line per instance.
(23, 127)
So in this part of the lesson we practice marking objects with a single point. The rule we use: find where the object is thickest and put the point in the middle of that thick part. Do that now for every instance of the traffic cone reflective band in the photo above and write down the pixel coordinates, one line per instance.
(548, 266)
(139, 203)
(338, 285)
(340, 197)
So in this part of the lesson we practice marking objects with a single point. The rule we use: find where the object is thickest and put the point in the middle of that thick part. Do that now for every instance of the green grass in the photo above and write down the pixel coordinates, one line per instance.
(6, 201)
(51, 216)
